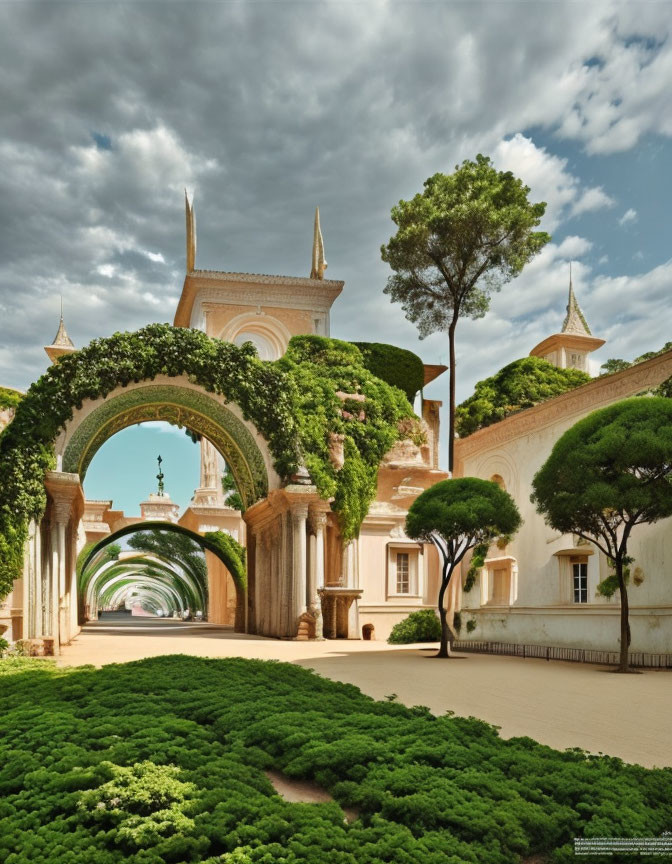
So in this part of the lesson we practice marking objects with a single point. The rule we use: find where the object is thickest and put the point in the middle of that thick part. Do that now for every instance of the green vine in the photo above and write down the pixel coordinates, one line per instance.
(321, 368)
(477, 561)
(293, 402)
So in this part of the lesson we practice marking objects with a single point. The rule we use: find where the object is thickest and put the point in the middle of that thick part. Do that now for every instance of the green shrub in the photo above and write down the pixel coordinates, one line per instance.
(399, 367)
(163, 761)
(4, 645)
(522, 384)
(9, 398)
(420, 626)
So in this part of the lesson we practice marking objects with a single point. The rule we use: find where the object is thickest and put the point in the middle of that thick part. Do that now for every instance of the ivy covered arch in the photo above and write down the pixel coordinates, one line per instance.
(182, 404)
(294, 409)
(188, 592)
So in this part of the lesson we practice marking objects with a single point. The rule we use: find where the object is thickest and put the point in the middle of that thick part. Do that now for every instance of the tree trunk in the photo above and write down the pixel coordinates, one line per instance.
(444, 649)
(451, 396)
(623, 665)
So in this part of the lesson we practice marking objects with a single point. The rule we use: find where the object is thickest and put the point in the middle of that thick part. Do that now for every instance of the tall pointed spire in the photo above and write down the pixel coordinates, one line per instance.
(319, 264)
(191, 233)
(62, 343)
(575, 321)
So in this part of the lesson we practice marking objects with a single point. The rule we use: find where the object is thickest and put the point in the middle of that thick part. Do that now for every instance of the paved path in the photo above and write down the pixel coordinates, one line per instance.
(559, 704)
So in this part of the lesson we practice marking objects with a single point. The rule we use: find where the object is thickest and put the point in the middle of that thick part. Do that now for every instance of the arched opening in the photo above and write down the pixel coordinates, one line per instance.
(160, 572)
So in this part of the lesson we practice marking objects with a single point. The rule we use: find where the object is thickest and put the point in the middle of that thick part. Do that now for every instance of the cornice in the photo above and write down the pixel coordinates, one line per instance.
(597, 393)
(239, 289)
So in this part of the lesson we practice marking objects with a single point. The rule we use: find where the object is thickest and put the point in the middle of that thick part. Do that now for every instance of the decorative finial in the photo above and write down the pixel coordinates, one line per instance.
(319, 262)
(575, 321)
(62, 343)
(159, 477)
(191, 232)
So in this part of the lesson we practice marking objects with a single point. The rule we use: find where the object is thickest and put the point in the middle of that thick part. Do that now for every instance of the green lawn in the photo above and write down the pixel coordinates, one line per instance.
(162, 761)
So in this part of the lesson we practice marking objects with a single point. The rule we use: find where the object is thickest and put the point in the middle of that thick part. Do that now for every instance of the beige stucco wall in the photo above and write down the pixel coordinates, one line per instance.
(542, 611)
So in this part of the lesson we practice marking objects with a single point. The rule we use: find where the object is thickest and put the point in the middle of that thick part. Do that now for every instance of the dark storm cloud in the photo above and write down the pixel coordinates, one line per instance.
(265, 110)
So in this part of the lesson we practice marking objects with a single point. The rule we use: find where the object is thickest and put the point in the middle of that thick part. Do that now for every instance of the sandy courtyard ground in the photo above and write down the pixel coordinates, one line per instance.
(559, 704)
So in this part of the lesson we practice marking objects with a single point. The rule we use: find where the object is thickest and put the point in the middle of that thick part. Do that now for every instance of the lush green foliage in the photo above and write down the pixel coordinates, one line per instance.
(163, 761)
(456, 516)
(397, 366)
(466, 511)
(519, 385)
(420, 626)
(292, 402)
(231, 494)
(9, 398)
(617, 365)
(232, 554)
(459, 240)
(611, 468)
(610, 472)
(320, 368)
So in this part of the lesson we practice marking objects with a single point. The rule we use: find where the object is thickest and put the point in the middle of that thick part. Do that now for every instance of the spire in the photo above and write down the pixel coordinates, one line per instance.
(575, 321)
(191, 232)
(319, 263)
(62, 343)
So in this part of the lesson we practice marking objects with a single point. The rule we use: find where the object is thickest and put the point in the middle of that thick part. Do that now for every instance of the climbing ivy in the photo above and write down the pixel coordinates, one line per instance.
(293, 402)
(368, 415)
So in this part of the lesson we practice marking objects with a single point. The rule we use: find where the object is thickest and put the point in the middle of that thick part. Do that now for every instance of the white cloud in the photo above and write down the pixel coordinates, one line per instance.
(548, 179)
(630, 215)
(157, 257)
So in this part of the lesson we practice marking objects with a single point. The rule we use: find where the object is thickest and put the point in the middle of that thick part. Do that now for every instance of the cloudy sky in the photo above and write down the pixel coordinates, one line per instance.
(265, 109)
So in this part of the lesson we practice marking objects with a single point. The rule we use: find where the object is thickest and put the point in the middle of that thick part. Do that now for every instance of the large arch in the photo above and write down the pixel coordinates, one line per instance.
(180, 402)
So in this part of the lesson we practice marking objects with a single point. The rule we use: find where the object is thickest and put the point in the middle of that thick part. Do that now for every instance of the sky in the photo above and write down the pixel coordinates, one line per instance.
(263, 110)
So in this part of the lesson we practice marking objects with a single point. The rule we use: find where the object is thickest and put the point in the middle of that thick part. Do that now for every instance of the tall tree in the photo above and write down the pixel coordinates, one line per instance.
(610, 472)
(456, 515)
(459, 240)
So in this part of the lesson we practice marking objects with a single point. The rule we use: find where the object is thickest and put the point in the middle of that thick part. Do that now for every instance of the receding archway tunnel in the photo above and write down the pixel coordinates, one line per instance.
(162, 570)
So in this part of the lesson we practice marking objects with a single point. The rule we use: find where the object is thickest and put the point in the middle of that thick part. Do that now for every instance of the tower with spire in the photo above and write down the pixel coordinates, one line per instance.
(569, 349)
(62, 343)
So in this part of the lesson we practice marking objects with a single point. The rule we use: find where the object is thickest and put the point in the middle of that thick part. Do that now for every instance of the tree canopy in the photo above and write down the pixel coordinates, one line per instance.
(457, 515)
(610, 472)
(519, 385)
(459, 240)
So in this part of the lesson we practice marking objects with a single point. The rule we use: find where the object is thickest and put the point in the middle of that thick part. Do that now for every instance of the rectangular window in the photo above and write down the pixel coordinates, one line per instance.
(580, 577)
(403, 573)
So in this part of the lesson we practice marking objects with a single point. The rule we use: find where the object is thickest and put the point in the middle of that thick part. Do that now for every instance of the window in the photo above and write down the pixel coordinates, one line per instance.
(580, 580)
(403, 573)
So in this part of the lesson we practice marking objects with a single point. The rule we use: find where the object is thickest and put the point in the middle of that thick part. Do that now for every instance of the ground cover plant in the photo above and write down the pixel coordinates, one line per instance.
(163, 761)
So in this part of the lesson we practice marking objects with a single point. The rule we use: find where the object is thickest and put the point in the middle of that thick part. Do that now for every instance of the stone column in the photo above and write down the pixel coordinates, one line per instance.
(259, 586)
(351, 580)
(316, 581)
(285, 599)
(298, 597)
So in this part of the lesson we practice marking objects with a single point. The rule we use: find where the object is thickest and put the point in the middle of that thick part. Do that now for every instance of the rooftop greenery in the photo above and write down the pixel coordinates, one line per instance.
(519, 385)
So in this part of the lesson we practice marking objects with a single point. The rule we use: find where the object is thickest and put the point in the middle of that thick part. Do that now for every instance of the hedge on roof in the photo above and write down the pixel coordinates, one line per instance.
(292, 402)
(9, 398)
(397, 366)
(522, 384)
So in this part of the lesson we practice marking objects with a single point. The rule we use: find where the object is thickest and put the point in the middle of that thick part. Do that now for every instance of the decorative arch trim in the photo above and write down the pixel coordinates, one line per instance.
(181, 407)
